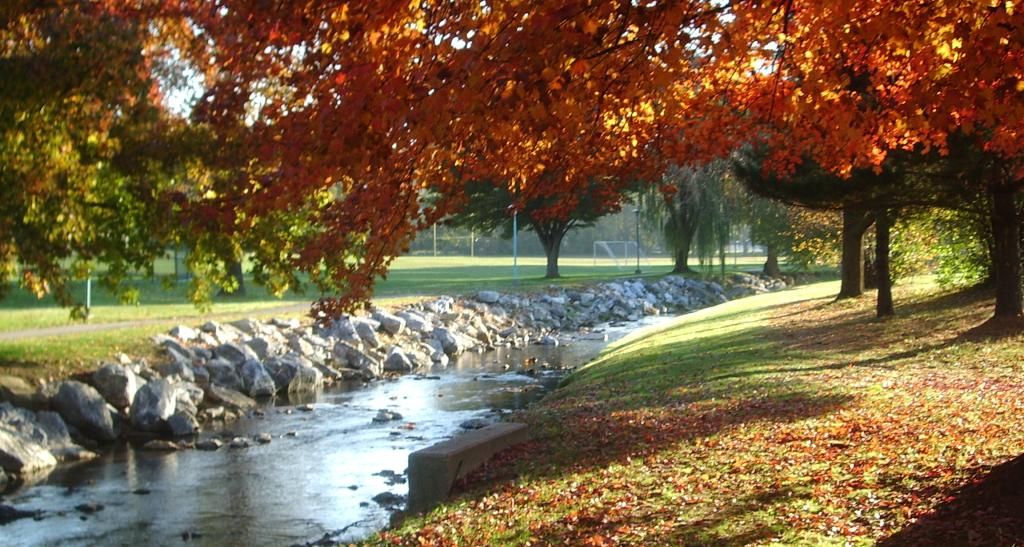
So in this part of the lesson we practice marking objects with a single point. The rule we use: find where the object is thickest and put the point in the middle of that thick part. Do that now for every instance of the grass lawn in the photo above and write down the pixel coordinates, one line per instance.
(410, 275)
(778, 419)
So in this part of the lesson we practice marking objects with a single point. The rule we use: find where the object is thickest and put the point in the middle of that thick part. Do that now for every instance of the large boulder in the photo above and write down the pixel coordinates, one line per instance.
(293, 374)
(154, 403)
(256, 381)
(416, 322)
(398, 361)
(182, 423)
(18, 392)
(224, 374)
(389, 323)
(488, 297)
(84, 408)
(173, 344)
(182, 370)
(350, 356)
(366, 329)
(116, 383)
(21, 454)
(263, 347)
(58, 438)
(450, 342)
(228, 398)
(184, 333)
(236, 354)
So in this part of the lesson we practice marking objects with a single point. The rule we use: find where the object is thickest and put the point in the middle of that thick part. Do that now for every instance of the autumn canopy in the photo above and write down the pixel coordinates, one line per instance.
(352, 125)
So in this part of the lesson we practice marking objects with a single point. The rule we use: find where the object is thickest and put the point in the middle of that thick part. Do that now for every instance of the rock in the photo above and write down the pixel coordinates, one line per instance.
(549, 341)
(170, 343)
(21, 454)
(587, 298)
(398, 361)
(389, 323)
(450, 343)
(307, 408)
(292, 374)
(224, 374)
(84, 408)
(89, 508)
(300, 345)
(474, 423)
(240, 442)
(209, 444)
(18, 392)
(350, 356)
(58, 439)
(264, 438)
(367, 331)
(10, 514)
(184, 333)
(179, 368)
(416, 322)
(488, 297)
(283, 323)
(154, 404)
(159, 445)
(182, 423)
(233, 353)
(262, 347)
(389, 500)
(386, 416)
(249, 326)
(117, 384)
(256, 381)
(228, 398)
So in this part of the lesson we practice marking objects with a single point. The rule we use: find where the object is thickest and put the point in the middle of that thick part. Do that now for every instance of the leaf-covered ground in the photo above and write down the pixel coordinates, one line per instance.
(784, 418)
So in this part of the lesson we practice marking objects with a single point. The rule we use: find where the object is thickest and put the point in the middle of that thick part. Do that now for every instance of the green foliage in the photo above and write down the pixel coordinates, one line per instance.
(961, 248)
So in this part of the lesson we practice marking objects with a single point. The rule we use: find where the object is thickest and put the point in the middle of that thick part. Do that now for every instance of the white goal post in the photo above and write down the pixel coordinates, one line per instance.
(622, 253)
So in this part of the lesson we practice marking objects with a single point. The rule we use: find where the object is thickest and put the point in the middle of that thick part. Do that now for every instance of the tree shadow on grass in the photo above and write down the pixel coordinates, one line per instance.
(988, 511)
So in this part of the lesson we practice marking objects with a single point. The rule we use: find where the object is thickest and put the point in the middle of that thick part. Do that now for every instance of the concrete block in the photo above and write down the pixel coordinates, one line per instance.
(433, 470)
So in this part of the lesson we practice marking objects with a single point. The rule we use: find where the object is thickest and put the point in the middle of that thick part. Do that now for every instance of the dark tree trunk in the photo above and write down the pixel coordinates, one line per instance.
(1007, 257)
(855, 223)
(551, 240)
(771, 264)
(682, 257)
(235, 271)
(883, 306)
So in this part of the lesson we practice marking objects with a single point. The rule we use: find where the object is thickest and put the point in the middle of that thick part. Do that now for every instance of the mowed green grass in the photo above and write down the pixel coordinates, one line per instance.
(409, 276)
(779, 419)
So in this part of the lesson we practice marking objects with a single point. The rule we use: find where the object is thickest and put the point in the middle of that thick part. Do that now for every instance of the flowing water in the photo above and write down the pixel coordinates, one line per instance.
(318, 475)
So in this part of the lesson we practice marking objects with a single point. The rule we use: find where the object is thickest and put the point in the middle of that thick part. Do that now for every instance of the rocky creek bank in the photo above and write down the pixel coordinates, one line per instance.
(216, 373)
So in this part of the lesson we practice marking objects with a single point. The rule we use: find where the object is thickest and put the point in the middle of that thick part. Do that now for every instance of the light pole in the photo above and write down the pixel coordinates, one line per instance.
(637, 212)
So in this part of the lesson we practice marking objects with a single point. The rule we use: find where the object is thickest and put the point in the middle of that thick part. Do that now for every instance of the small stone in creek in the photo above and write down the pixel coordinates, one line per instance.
(263, 438)
(306, 408)
(89, 508)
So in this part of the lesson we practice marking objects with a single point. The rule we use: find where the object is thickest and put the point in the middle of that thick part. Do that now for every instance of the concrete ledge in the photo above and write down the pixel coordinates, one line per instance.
(433, 470)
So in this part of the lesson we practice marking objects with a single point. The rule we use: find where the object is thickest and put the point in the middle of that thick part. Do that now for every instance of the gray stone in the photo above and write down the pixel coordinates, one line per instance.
(488, 297)
(283, 323)
(209, 444)
(158, 445)
(20, 454)
(19, 393)
(264, 438)
(236, 354)
(173, 344)
(256, 381)
(262, 347)
(182, 423)
(300, 345)
(223, 373)
(249, 326)
(416, 322)
(294, 375)
(116, 383)
(389, 323)
(179, 369)
(450, 343)
(367, 331)
(549, 341)
(184, 333)
(240, 442)
(228, 398)
(386, 416)
(154, 404)
(351, 356)
(84, 408)
(398, 361)
(58, 439)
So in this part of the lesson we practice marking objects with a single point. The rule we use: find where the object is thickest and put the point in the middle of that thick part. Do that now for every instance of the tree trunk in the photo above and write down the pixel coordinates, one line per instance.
(771, 264)
(883, 305)
(683, 256)
(855, 223)
(1007, 257)
(552, 243)
(235, 271)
